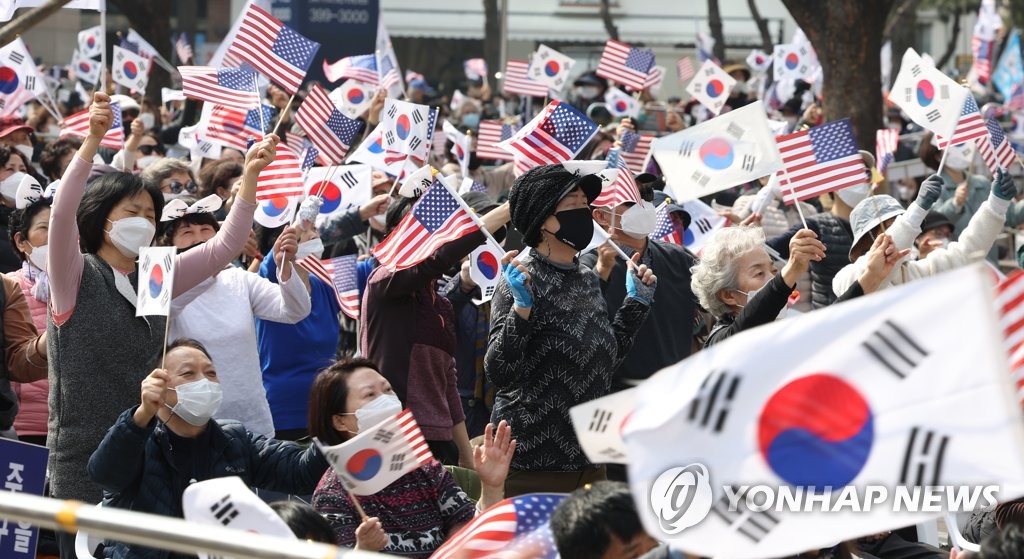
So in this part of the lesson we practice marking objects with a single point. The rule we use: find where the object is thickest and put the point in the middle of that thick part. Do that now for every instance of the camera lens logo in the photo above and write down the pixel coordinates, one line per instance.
(681, 497)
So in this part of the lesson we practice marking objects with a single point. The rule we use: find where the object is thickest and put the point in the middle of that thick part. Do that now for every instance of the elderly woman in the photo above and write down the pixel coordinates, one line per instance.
(172, 176)
(552, 343)
(736, 280)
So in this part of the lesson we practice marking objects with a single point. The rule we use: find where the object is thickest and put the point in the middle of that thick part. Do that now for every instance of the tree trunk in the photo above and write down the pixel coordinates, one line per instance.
(954, 36)
(904, 9)
(606, 17)
(900, 29)
(849, 61)
(492, 29)
(715, 23)
(762, 27)
(152, 20)
(28, 20)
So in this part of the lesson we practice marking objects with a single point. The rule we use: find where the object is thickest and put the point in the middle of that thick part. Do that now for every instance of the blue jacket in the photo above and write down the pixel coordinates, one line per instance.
(138, 468)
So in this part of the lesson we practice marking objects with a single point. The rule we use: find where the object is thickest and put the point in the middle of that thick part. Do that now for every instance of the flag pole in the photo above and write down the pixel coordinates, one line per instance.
(330, 175)
(359, 507)
(796, 201)
(167, 330)
(256, 88)
(476, 219)
(949, 140)
(103, 51)
(284, 113)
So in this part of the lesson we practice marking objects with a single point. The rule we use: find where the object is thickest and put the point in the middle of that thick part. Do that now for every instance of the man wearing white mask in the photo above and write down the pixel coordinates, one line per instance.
(666, 335)
(169, 441)
(962, 192)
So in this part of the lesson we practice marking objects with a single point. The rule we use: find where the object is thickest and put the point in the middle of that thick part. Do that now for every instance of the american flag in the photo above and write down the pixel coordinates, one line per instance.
(309, 156)
(234, 128)
(229, 87)
(437, 218)
(282, 178)
(387, 62)
(516, 80)
(996, 150)
(183, 49)
(361, 67)
(1009, 296)
(655, 78)
(330, 131)
(492, 132)
(78, 125)
(274, 49)
(339, 272)
(475, 68)
(519, 523)
(623, 189)
(686, 70)
(635, 148)
(970, 126)
(664, 229)
(625, 64)
(820, 160)
(557, 134)
(886, 142)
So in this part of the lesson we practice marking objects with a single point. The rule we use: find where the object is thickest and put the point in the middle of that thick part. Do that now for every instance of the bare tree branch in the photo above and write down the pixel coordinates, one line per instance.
(896, 16)
(28, 20)
(606, 17)
(954, 35)
(715, 23)
(762, 27)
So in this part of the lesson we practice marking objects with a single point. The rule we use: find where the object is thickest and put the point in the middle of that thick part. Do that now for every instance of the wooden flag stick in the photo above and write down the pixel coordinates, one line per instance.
(284, 113)
(796, 202)
(323, 185)
(359, 507)
(167, 330)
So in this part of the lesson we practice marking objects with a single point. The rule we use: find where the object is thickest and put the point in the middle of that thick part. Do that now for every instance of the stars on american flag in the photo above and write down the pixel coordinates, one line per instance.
(640, 60)
(434, 208)
(236, 78)
(833, 140)
(343, 127)
(570, 127)
(294, 48)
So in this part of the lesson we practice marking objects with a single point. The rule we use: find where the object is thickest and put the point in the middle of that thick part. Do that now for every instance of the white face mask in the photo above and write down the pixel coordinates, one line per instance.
(750, 295)
(148, 120)
(197, 401)
(27, 151)
(639, 220)
(959, 157)
(377, 410)
(146, 161)
(9, 186)
(38, 256)
(312, 247)
(129, 234)
(379, 220)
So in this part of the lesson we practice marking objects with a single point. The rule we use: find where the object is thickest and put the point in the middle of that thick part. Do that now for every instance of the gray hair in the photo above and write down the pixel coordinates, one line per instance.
(163, 168)
(716, 270)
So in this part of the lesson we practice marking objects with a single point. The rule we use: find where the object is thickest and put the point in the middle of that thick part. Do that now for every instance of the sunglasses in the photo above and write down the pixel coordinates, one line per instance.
(177, 187)
(150, 150)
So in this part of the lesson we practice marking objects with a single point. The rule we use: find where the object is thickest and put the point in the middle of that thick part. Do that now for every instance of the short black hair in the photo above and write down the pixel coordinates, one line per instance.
(583, 524)
(328, 396)
(1006, 543)
(49, 159)
(100, 198)
(20, 221)
(167, 229)
(190, 343)
(304, 521)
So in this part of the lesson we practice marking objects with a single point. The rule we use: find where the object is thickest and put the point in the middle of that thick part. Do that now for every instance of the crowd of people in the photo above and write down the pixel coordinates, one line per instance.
(258, 358)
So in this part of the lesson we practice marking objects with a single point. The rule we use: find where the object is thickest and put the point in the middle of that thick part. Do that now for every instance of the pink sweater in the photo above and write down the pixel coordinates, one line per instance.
(32, 403)
(190, 269)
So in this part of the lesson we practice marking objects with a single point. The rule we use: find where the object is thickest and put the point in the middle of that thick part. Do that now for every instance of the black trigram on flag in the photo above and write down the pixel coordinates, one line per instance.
(397, 461)
(735, 130)
(710, 71)
(944, 92)
(748, 162)
(916, 70)
(415, 141)
(894, 349)
(389, 137)
(703, 225)
(600, 420)
(349, 179)
(30, 83)
(908, 94)
(392, 111)
(16, 57)
(922, 460)
(710, 408)
(224, 510)
(417, 117)
(933, 115)
(384, 436)
(700, 178)
(686, 148)
(753, 525)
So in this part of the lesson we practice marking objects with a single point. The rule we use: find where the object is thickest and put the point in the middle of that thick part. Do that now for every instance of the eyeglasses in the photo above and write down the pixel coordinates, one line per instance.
(150, 150)
(177, 186)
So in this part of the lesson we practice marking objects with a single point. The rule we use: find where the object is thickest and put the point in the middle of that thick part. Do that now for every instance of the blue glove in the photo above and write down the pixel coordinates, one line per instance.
(636, 289)
(522, 294)
(1003, 187)
(930, 191)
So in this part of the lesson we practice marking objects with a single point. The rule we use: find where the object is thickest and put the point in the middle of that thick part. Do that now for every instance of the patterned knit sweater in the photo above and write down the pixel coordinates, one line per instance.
(563, 355)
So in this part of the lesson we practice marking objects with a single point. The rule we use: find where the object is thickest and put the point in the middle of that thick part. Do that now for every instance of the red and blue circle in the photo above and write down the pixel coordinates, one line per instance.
(84, 67)
(759, 59)
(364, 464)
(925, 93)
(90, 42)
(792, 60)
(377, 146)
(8, 80)
(717, 154)
(816, 431)
(274, 207)
(459, 152)
(487, 264)
(621, 106)
(403, 126)
(130, 69)
(156, 281)
(355, 96)
(715, 88)
(331, 196)
(552, 68)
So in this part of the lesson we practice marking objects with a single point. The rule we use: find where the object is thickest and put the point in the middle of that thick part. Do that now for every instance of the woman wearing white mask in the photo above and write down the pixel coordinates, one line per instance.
(29, 226)
(168, 441)
(413, 516)
(220, 311)
(97, 346)
(736, 280)
(291, 353)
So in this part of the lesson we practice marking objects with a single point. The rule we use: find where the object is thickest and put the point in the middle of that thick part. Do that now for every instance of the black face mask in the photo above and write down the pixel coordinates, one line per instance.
(575, 227)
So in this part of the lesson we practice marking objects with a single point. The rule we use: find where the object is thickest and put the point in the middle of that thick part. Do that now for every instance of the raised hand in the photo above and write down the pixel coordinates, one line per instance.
(1003, 186)
(101, 116)
(260, 155)
(151, 396)
(641, 282)
(804, 247)
(930, 191)
(518, 279)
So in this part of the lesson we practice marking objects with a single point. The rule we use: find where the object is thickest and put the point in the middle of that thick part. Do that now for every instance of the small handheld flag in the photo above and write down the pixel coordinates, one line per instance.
(130, 69)
(625, 64)
(156, 280)
(550, 67)
(228, 87)
(273, 48)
